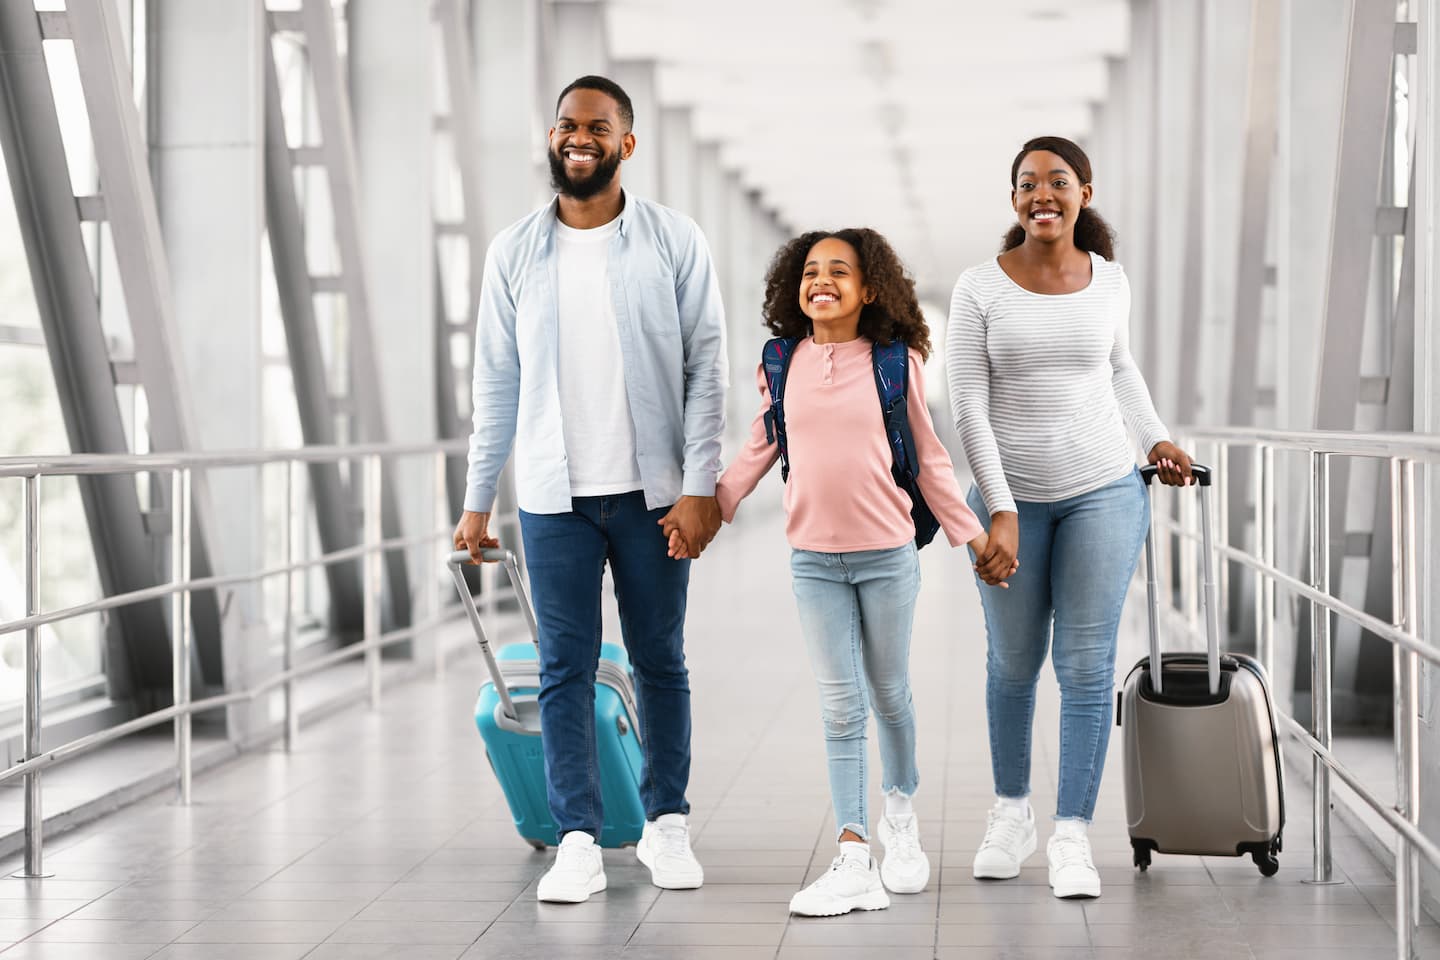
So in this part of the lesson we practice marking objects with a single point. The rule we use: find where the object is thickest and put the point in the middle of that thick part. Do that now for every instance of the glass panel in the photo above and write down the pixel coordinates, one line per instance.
(71, 650)
(70, 108)
(312, 193)
(333, 326)
(17, 299)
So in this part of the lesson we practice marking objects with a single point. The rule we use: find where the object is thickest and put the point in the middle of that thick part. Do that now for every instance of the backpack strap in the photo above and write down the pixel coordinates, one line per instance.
(775, 358)
(892, 383)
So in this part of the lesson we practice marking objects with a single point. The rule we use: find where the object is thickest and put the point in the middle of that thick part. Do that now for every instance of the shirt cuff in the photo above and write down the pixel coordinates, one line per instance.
(480, 499)
(698, 483)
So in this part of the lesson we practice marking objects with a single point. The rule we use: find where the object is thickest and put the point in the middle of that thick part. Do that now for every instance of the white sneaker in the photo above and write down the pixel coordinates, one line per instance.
(905, 869)
(851, 883)
(1009, 839)
(665, 848)
(1072, 870)
(577, 873)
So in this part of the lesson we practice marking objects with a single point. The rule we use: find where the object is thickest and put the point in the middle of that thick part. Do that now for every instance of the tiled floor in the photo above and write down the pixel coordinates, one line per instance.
(384, 835)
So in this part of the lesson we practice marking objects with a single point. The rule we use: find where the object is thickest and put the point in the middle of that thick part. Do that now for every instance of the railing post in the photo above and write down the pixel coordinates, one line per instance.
(1405, 607)
(1320, 660)
(180, 624)
(34, 811)
(1265, 587)
(432, 561)
(1221, 490)
(372, 567)
(294, 526)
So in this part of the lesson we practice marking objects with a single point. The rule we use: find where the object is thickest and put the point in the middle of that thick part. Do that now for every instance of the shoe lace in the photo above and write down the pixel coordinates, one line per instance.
(673, 840)
(574, 857)
(838, 867)
(1072, 852)
(1001, 830)
(904, 838)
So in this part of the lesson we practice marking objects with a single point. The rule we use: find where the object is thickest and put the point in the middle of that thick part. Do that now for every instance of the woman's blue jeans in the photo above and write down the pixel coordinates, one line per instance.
(856, 610)
(1076, 560)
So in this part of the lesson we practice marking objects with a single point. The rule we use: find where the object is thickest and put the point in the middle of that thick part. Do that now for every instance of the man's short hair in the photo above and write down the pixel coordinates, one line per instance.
(606, 86)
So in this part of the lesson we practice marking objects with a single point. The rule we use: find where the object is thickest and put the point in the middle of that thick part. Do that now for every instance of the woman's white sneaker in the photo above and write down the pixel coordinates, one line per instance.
(665, 848)
(851, 883)
(1009, 839)
(906, 868)
(577, 873)
(1072, 869)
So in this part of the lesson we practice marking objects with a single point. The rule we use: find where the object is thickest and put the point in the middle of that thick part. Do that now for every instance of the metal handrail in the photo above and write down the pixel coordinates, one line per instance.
(181, 586)
(1403, 451)
(78, 464)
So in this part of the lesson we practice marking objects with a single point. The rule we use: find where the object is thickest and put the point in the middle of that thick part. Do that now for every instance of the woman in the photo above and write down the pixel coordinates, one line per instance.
(838, 297)
(1042, 387)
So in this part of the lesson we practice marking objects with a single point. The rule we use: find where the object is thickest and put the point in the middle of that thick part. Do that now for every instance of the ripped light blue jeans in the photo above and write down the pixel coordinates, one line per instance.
(856, 610)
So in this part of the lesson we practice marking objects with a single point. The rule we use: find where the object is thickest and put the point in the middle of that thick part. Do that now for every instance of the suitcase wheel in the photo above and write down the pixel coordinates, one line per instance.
(1142, 854)
(537, 844)
(1267, 862)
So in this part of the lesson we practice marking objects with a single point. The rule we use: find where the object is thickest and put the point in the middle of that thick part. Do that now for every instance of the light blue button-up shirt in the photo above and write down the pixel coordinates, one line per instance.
(672, 343)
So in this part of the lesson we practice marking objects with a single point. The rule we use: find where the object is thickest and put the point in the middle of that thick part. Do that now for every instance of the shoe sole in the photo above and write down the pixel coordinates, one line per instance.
(1027, 851)
(874, 900)
(597, 884)
(1085, 893)
(690, 882)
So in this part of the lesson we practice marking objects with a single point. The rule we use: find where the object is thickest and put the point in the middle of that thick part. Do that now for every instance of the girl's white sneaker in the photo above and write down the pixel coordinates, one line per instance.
(906, 868)
(851, 883)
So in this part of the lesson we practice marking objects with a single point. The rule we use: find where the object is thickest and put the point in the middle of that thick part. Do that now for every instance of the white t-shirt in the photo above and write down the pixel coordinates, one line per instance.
(594, 410)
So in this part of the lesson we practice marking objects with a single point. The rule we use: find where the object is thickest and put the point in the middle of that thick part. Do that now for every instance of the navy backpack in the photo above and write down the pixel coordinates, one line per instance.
(892, 383)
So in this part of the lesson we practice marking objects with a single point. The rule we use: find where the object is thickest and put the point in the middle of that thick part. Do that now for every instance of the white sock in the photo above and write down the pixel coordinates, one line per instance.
(898, 804)
(1071, 828)
(1020, 805)
(855, 848)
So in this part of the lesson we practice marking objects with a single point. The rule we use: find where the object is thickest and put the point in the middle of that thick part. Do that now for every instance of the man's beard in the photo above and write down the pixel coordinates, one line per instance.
(587, 187)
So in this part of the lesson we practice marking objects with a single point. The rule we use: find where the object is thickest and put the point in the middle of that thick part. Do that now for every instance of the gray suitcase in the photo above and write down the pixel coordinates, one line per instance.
(1202, 752)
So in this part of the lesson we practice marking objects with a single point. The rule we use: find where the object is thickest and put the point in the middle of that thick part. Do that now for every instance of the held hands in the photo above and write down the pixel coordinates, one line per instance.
(473, 533)
(690, 526)
(995, 559)
(1172, 464)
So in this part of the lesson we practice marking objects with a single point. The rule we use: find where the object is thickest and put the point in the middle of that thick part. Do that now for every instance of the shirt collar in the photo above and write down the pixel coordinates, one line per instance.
(552, 214)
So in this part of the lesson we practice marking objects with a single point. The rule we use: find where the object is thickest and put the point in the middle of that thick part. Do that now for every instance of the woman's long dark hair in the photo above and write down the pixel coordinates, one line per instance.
(894, 314)
(1092, 233)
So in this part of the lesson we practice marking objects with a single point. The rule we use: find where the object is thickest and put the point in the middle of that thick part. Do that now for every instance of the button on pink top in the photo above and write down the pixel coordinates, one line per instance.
(841, 496)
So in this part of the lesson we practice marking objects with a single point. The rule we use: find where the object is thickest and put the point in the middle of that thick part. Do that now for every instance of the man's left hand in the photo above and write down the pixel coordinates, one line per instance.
(690, 526)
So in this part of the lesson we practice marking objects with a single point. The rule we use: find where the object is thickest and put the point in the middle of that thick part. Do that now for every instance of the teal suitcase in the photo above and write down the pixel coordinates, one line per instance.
(507, 714)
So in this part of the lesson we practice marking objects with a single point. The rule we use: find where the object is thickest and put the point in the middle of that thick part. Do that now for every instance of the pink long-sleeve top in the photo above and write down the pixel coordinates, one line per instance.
(841, 496)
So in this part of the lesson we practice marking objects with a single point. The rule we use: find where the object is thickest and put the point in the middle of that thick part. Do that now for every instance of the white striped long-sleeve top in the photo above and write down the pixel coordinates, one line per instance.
(1043, 385)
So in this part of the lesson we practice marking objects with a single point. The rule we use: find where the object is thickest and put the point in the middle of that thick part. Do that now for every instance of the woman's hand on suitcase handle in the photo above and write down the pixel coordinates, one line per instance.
(998, 561)
(473, 533)
(1172, 465)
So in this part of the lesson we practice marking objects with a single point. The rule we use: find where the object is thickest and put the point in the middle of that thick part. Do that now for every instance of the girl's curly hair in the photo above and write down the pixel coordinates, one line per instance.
(894, 314)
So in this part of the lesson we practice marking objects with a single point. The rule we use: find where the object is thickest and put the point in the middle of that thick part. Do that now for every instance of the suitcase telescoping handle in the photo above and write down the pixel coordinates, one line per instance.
(512, 569)
(1203, 476)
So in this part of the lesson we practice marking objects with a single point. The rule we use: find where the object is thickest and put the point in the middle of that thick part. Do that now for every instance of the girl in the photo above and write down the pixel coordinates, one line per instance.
(856, 574)
(1042, 386)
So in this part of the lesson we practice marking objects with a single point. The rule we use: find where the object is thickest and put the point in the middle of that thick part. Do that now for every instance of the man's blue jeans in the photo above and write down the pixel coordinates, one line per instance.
(566, 554)
(1076, 560)
(856, 611)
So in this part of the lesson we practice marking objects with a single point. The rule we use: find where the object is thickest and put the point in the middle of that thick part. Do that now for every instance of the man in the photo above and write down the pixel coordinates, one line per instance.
(602, 335)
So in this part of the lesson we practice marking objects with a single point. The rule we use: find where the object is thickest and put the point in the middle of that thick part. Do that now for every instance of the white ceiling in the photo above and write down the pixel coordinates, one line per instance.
(902, 115)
